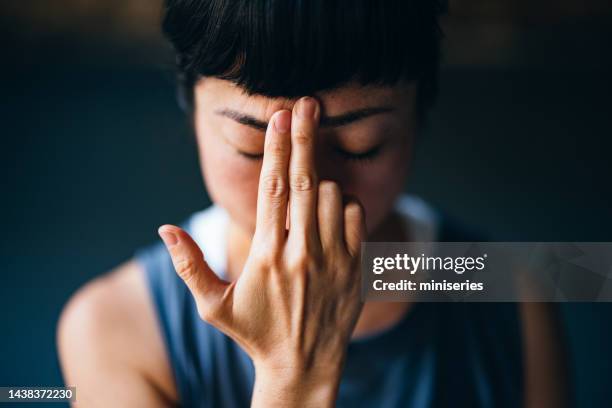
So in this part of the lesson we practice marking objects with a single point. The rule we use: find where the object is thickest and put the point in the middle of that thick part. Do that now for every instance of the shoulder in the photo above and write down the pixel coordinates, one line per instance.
(107, 330)
(114, 300)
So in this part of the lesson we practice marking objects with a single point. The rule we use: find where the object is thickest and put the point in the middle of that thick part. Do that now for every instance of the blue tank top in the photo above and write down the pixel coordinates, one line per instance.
(437, 355)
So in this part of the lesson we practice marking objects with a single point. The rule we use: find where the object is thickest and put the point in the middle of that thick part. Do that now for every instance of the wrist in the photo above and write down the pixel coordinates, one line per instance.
(296, 386)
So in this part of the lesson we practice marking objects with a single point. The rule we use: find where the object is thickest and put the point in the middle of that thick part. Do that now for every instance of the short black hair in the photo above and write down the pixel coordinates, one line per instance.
(290, 48)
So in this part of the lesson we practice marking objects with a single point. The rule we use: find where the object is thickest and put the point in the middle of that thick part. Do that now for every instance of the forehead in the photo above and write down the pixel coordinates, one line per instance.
(213, 93)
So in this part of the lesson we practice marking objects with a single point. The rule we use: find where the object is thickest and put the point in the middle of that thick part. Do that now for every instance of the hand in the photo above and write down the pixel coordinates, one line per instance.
(297, 300)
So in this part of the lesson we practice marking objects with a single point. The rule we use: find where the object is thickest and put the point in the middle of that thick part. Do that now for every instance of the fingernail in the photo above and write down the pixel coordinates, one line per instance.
(307, 108)
(168, 237)
(282, 121)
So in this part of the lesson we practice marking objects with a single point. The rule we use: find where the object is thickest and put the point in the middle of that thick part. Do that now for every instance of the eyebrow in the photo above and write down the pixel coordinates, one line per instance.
(326, 121)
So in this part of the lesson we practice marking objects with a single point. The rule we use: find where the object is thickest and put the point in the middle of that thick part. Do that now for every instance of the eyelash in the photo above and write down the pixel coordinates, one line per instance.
(250, 156)
(362, 157)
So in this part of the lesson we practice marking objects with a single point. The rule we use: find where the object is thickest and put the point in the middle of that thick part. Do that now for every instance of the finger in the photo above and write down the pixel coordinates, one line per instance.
(205, 286)
(331, 216)
(303, 182)
(354, 226)
(273, 181)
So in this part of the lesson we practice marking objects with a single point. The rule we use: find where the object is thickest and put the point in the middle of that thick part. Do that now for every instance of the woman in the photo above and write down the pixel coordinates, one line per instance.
(305, 115)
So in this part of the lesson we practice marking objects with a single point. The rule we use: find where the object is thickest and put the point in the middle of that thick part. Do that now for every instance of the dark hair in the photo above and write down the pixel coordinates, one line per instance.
(290, 48)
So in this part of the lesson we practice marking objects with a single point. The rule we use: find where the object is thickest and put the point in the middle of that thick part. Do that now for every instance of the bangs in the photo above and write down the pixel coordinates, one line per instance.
(282, 48)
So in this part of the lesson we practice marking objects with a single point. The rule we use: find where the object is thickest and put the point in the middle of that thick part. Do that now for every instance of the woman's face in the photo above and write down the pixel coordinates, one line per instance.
(364, 143)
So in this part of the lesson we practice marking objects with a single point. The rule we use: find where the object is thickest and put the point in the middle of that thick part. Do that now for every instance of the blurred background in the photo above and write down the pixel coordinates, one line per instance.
(96, 153)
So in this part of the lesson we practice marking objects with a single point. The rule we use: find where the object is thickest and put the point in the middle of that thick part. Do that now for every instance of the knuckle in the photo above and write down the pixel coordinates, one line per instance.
(265, 241)
(208, 312)
(204, 312)
(302, 137)
(301, 180)
(339, 263)
(273, 186)
(303, 260)
(267, 259)
(275, 148)
(317, 263)
(185, 268)
(298, 264)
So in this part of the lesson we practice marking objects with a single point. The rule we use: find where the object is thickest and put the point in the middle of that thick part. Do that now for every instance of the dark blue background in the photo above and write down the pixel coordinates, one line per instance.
(96, 155)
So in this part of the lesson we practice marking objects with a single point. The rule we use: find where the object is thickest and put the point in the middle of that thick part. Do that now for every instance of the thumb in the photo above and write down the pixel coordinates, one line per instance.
(203, 283)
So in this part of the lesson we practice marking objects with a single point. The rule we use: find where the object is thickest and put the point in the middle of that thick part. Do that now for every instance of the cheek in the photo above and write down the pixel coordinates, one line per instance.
(378, 184)
(231, 180)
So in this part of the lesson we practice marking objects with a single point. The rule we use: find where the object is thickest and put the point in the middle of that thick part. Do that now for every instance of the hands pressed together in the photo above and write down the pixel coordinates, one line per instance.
(296, 302)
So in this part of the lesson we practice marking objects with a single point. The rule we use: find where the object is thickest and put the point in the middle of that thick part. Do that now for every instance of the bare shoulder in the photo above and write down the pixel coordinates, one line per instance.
(109, 343)
(547, 381)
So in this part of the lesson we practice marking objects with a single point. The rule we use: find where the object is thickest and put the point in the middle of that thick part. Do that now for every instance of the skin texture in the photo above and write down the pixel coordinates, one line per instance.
(232, 180)
(295, 304)
(297, 217)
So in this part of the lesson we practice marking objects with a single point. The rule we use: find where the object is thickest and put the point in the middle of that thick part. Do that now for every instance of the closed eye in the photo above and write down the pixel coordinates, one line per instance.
(250, 156)
(361, 156)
